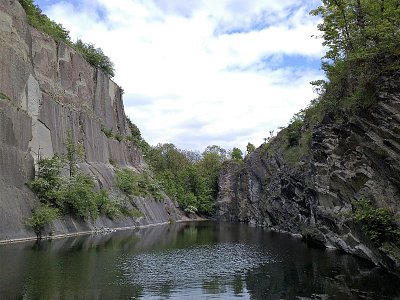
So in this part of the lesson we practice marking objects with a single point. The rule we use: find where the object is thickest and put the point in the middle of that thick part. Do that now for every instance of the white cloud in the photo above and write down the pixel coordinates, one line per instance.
(197, 73)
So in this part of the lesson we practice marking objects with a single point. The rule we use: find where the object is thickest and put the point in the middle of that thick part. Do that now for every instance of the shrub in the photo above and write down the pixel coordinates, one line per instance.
(76, 194)
(78, 197)
(119, 137)
(41, 218)
(190, 209)
(40, 21)
(107, 132)
(95, 56)
(378, 223)
(127, 181)
(135, 184)
(106, 205)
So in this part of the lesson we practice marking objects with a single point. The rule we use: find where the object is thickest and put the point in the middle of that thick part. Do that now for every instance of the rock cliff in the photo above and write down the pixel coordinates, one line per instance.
(356, 157)
(46, 91)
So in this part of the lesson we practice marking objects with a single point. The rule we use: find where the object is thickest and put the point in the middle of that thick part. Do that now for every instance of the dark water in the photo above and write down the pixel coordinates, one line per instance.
(187, 261)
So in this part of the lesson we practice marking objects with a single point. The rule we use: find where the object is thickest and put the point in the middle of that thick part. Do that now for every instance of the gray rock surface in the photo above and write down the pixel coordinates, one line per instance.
(48, 91)
(358, 157)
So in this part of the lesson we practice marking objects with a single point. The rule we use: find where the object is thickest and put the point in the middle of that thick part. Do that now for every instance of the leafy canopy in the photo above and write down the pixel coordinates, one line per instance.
(363, 42)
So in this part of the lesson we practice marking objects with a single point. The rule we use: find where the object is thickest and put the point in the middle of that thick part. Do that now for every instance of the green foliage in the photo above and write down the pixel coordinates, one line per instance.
(190, 209)
(95, 56)
(188, 177)
(48, 180)
(108, 132)
(75, 153)
(295, 153)
(237, 154)
(137, 184)
(133, 213)
(363, 40)
(294, 129)
(40, 21)
(108, 206)
(378, 223)
(4, 96)
(136, 138)
(250, 148)
(78, 197)
(74, 195)
(41, 218)
(119, 137)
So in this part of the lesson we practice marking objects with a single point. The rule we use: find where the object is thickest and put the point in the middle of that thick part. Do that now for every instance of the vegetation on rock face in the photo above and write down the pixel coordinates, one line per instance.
(250, 148)
(378, 223)
(363, 45)
(74, 195)
(136, 137)
(40, 21)
(40, 218)
(138, 184)
(95, 57)
(363, 42)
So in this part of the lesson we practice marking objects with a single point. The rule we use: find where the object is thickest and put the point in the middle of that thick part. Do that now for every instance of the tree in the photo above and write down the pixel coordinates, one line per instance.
(75, 153)
(236, 154)
(363, 42)
(250, 148)
(188, 177)
(41, 218)
(220, 152)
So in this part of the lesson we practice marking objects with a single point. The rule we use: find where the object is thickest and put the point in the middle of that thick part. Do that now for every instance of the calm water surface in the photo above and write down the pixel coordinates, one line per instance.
(187, 261)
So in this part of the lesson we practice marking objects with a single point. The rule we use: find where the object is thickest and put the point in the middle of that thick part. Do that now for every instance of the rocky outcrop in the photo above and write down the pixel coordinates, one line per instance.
(48, 90)
(358, 157)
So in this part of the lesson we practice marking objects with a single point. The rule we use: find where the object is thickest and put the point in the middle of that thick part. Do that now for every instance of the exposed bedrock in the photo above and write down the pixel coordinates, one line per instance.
(47, 90)
(353, 159)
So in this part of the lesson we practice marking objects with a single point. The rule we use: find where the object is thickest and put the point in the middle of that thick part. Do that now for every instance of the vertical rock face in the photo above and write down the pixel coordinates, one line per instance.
(357, 158)
(47, 90)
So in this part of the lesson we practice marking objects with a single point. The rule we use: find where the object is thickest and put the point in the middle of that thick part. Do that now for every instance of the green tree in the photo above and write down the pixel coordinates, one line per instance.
(188, 177)
(250, 148)
(363, 42)
(237, 154)
(75, 153)
(40, 218)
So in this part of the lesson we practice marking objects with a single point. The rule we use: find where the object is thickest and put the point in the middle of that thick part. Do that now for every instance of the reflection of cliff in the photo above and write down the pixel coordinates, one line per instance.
(47, 90)
(201, 261)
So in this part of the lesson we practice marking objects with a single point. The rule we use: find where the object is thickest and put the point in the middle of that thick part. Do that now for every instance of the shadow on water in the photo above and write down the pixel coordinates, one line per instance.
(178, 261)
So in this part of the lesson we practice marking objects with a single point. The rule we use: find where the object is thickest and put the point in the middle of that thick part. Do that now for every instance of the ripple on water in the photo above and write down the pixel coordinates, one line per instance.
(185, 267)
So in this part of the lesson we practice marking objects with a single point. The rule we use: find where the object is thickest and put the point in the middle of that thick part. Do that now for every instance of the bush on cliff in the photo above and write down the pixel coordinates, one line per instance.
(363, 42)
(138, 184)
(95, 56)
(378, 223)
(40, 21)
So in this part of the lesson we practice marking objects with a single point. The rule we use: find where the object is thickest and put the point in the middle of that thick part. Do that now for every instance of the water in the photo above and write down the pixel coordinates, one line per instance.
(187, 261)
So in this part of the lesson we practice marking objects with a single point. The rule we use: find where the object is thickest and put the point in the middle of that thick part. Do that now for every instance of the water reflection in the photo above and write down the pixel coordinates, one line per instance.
(180, 261)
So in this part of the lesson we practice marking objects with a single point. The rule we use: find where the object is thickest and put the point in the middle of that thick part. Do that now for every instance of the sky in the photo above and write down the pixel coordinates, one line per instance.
(203, 72)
